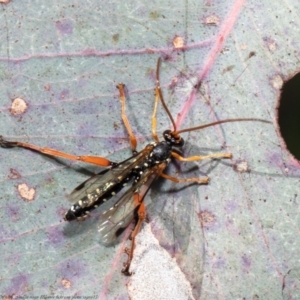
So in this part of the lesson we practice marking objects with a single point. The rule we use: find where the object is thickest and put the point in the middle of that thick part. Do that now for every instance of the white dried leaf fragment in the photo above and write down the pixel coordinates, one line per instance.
(155, 274)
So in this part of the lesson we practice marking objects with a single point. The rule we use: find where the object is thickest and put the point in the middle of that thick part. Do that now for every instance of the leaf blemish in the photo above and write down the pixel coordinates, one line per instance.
(277, 82)
(178, 42)
(26, 192)
(14, 174)
(206, 218)
(18, 106)
(212, 20)
(66, 283)
(65, 27)
(241, 166)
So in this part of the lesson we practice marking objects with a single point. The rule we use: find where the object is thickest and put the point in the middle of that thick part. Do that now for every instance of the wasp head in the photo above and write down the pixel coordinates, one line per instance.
(173, 138)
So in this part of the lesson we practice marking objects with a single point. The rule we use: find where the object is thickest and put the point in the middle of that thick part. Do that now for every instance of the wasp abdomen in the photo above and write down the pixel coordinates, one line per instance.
(92, 200)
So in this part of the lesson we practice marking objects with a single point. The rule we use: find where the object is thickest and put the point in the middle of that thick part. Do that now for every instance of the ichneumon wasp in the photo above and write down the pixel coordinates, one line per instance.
(142, 168)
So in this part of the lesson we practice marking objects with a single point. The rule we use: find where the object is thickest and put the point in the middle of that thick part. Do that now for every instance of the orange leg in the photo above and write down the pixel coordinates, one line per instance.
(95, 160)
(133, 141)
(154, 134)
(192, 158)
(141, 217)
(193, 179)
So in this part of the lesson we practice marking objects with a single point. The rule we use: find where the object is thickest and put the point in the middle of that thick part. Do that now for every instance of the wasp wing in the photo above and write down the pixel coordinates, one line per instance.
(118, 217)
(78, 191)
(106, 179)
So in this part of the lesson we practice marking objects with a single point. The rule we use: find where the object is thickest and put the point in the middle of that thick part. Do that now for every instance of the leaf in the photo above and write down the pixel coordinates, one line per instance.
(233, 238)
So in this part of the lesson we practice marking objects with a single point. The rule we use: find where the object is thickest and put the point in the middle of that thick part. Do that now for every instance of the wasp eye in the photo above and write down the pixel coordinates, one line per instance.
(168, 135)
(173, 138)
(179, 142)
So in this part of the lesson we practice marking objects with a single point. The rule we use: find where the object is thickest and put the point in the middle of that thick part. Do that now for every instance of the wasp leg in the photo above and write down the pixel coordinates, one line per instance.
(193, 179)
(192, 158)
(141, 212)
(154, 134)
(95, 160)
(132, 137)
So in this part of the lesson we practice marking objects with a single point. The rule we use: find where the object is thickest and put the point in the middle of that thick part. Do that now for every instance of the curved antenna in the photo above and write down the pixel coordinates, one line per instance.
(201, 126)
(221, 122)
(161, 95)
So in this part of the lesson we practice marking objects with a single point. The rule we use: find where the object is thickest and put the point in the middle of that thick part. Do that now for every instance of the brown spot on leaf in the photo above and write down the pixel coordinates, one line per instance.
(115, 37)
(47, 87)
(206, 218)
(227, 69)
(251, 54)
(14, 174)
(116, 126)
(154, 15)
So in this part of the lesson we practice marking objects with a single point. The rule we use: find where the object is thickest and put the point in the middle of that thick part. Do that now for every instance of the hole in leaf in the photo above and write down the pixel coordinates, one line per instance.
(289, 115)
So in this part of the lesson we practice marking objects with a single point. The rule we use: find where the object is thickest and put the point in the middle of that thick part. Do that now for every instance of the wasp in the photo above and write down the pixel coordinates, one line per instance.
(129, 176)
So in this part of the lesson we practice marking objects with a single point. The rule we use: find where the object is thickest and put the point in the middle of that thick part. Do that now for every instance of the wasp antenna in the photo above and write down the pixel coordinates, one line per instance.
(161, 95)
(221, 122)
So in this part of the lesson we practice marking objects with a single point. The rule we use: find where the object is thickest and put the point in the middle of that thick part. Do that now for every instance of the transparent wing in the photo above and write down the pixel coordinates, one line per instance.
(117, 217)
(107, 178)
(78, 192)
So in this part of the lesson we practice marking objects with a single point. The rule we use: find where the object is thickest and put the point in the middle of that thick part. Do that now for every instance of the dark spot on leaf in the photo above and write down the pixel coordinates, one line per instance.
(14, 174)
(227, 69)
(154, 15)
(116, 37)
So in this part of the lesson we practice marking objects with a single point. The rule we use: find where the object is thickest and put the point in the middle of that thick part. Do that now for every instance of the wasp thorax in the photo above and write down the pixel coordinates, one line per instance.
(161, 152)
(173, 138)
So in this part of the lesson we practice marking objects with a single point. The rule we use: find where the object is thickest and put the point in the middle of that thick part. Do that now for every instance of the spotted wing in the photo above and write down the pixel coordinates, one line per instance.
(107, 178)
(117, 217)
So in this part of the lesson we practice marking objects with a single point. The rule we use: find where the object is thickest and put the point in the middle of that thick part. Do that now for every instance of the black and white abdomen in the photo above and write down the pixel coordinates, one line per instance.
(94, 199)
(103, 186)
